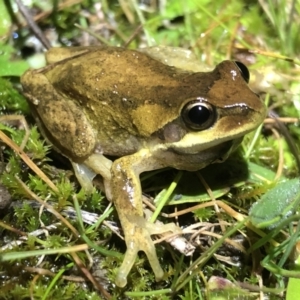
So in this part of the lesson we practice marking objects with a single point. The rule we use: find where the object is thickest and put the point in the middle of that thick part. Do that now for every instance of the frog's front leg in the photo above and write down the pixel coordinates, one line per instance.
(127, 197)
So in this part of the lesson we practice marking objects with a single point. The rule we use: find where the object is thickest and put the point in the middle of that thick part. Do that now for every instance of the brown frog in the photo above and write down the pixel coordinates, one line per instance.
(146, 109)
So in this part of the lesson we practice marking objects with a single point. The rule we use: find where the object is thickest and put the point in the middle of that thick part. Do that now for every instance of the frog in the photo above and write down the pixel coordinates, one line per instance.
(118, 112)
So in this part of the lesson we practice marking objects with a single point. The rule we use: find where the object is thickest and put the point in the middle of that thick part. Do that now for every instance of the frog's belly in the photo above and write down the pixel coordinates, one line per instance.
(193, 162)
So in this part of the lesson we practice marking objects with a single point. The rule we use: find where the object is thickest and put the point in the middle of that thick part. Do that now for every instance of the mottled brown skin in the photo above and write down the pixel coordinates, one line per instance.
(97, 101)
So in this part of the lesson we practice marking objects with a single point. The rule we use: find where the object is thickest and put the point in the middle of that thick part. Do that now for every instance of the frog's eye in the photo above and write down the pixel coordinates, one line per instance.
(243, 70)
(198, 115)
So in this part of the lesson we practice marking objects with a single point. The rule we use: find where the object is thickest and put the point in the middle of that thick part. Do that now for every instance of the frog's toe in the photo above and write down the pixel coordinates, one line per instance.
(129, 259)
(138, 238)
(147, 245)
(141, 241)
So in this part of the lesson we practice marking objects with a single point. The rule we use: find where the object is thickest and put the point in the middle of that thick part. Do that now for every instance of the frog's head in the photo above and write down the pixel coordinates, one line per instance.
(216, 118)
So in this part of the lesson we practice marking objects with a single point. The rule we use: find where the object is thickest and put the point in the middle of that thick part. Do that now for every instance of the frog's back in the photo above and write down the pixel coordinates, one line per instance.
(122, 84)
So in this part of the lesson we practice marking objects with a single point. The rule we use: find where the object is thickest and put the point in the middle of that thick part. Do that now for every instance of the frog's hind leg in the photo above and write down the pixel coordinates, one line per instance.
(88, 169)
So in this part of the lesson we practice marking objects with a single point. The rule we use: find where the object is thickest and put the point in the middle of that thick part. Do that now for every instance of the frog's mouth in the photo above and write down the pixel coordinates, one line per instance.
(223, 147)
(185, 159)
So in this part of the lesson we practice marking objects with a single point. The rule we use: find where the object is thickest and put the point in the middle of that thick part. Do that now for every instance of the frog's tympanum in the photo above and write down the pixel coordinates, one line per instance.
(146, 109)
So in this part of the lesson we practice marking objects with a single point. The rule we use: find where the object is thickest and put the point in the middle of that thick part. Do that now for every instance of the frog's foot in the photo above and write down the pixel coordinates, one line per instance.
(138, 238)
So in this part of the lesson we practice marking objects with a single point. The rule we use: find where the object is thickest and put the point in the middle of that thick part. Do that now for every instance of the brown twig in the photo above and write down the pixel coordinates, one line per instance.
(31, 23)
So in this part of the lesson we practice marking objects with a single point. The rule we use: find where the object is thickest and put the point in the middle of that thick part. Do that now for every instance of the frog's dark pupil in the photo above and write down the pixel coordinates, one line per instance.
(244, 71)
(199, 114)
